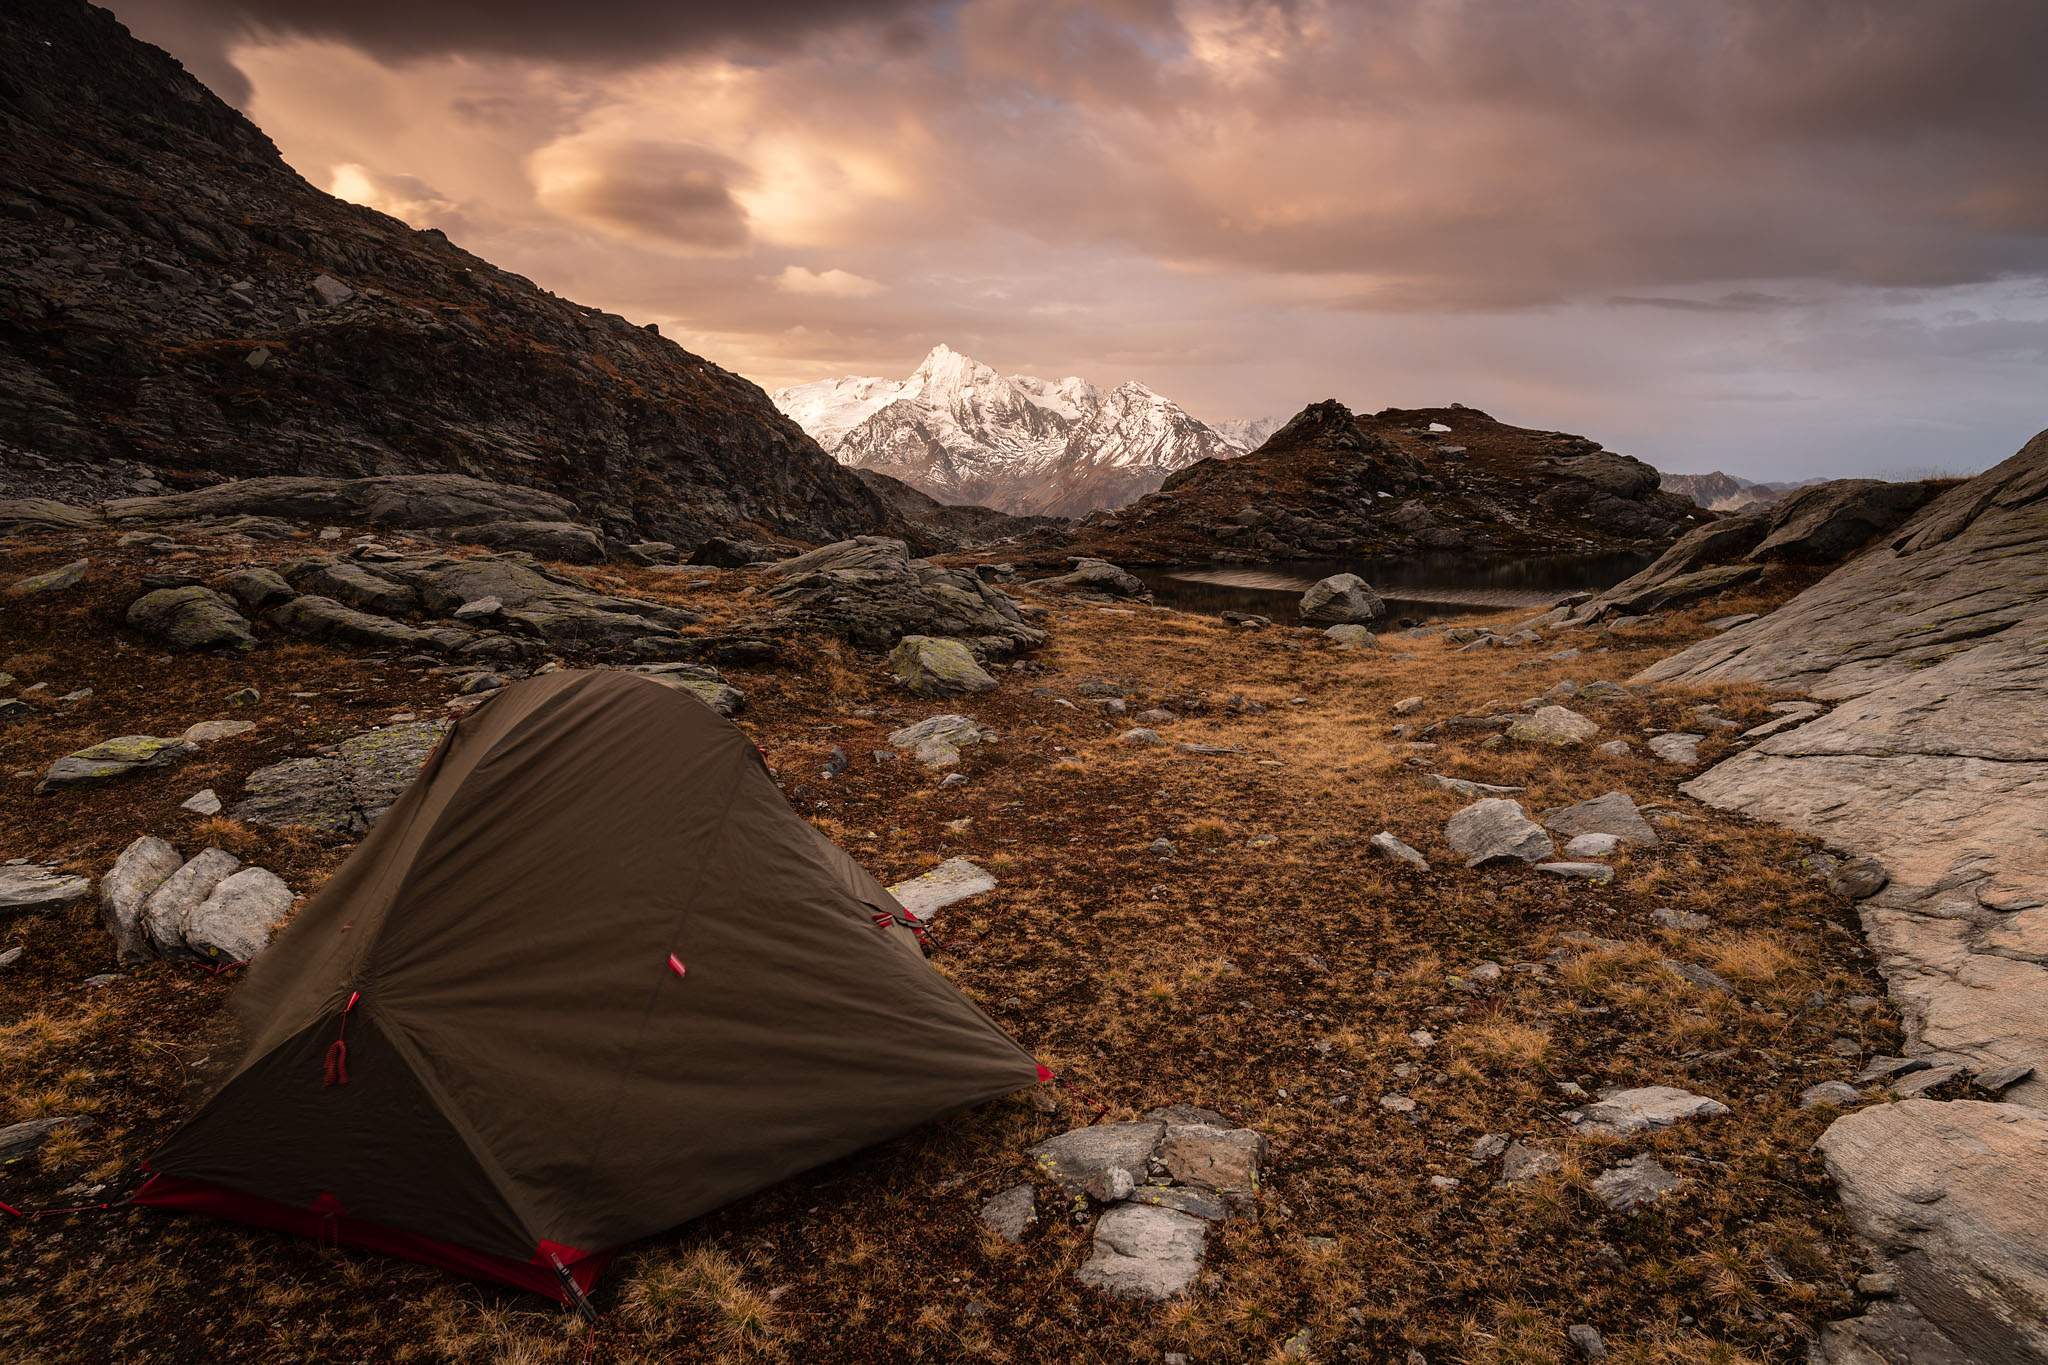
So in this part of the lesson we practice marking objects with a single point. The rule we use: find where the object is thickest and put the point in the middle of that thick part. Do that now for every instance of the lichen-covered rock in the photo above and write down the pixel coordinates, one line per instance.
(870, 592)
(258, 589)
(51, 580)
(1558, 726)
(111, 759)
(314, 617)
(344, 792)
(1351, 637)
(952, 881)
(190, 618)
(932, 667)
(352, 584)
(563, 541)
(142, 867)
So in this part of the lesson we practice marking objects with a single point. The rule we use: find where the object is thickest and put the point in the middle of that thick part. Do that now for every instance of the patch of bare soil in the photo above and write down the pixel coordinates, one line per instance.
(1272, 968)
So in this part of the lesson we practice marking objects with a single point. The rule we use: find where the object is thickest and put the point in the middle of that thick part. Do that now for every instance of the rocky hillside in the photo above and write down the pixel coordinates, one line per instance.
(962, 433)
(1335, 484)
(174, 297)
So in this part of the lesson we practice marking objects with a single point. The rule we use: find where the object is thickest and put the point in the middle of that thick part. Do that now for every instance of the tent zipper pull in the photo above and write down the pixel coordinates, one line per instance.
(337, 1051)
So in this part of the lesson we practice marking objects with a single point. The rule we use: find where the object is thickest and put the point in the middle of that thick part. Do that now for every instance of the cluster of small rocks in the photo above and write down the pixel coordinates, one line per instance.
(1160, 1182)
(210, 906)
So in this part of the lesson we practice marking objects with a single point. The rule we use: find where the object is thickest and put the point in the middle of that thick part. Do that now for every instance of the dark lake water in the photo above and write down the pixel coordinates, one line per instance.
(1418, 587)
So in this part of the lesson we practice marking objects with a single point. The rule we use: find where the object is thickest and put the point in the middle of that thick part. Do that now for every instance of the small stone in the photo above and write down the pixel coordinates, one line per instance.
(1880, 1284)
(1613, 814)
(1622, 1112)
(1184, 1198)
(211, 731)
(1488, 1146)
(1010, 1214)
(1523, 1162)
(12, 956)
(205, 801)
(114, 758)
(1680, 750)
(1884, 1068)
(1615, 748)
(1106, 1162)
(1693, 974)
(1140, 736)
(244, 696)
(1837, 1094)
(1145, 1252)
(1557, 726)
(1161, 847)
(1585, 1340)
(1351, 637)
(51, 580)
(1298, 1346)
(1592, 846)
(1407, 706)
(1637, 1181)
(1397, 1104)
(1388, 846)
(1446, 1183)
(1680, 921)
(2003, 1078)
(25, 887)
(952, 881)
(1858, 878)
(1918, 1082)
(1586, 872)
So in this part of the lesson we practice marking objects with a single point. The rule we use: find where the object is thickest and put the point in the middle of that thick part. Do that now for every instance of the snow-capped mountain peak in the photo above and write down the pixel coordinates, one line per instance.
(963, 433)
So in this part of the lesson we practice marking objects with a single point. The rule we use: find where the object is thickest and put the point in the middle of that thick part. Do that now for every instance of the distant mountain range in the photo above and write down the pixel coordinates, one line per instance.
(964, 434)
(1728, 492)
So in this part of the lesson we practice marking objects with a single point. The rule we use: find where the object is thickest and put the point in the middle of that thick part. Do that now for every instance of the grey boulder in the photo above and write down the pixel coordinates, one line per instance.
(1497, 830)
(1341, 599)
(1613, 813)
(235, 921)
(1144, 1251)
(190, 618)
(930, 666)
(142, 867)
(25, 887)
(165, 910)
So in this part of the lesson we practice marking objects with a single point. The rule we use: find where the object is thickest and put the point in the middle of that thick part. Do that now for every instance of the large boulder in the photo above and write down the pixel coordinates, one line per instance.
(937, 668)
(18, 515)
(536, 601)
(50, 580)
(1341, 599)
(190, 618)
(340, 793)
(1105, 1162)
(322, 618)
(869, 591)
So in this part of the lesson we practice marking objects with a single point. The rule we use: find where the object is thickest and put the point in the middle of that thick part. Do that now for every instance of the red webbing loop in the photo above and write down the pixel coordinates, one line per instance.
(337, 1051)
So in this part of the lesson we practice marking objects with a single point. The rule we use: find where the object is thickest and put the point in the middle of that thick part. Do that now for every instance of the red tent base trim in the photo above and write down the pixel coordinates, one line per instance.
(329, 1224)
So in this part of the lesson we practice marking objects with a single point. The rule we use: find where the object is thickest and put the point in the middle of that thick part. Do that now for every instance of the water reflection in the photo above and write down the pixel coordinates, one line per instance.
(1417, 587)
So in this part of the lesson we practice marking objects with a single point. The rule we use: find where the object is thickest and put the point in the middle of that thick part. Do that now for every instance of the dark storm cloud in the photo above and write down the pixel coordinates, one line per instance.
(608, 31)
(665, 194)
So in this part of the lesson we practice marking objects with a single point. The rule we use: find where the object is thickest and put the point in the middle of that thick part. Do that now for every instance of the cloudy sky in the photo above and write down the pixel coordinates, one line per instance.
(1781, 239)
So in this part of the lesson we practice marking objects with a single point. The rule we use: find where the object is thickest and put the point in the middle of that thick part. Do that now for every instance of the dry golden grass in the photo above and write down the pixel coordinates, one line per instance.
(1280, 983)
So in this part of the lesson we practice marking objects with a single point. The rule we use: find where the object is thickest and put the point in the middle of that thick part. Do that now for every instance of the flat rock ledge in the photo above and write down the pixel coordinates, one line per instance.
(1164, 1179)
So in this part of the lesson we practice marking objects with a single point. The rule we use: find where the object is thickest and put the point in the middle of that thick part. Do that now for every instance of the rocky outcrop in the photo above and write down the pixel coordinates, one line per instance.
(1823, 523)
(870, 592)
(340, 793)
(1332, 484)
(182, 299)
(1954, 1193)
(1933, 762)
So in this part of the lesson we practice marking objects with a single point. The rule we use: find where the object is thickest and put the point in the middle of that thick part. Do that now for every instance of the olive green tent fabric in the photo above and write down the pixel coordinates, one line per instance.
(525, 1064)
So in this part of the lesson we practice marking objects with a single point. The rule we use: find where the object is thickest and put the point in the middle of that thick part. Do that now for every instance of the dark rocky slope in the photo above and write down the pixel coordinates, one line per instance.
(173, 295)
(1333, 484)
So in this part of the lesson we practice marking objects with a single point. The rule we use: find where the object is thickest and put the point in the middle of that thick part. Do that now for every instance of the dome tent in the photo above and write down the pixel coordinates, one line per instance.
(589, 977)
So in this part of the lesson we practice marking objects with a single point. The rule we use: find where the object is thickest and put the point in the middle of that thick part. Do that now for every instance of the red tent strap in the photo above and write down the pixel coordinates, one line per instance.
(30, 1215)
(1046, 1073)
(337, 1051)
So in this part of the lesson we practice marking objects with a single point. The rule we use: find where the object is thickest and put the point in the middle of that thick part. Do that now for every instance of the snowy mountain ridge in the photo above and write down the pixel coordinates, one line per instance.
(962, 433)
